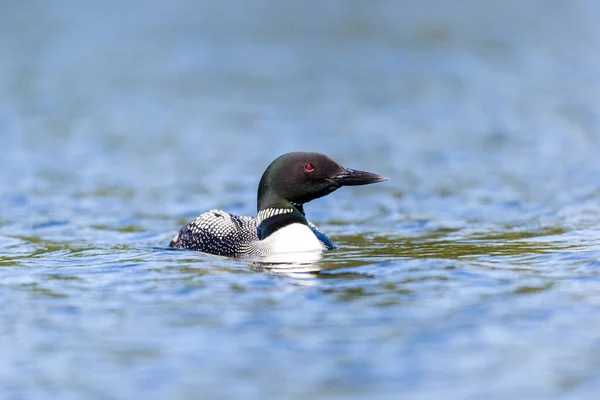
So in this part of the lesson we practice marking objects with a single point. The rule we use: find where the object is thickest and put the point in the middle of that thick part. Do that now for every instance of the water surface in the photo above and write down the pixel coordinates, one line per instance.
(473, 272)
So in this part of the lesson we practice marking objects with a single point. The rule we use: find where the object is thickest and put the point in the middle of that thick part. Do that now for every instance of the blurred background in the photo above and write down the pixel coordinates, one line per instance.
(472, 272)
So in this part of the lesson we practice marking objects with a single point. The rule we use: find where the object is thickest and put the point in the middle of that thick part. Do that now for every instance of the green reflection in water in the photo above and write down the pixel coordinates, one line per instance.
(42, 291)
(438, 245)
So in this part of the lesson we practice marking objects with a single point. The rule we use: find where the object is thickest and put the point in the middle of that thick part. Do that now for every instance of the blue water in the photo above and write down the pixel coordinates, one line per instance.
(474, 272)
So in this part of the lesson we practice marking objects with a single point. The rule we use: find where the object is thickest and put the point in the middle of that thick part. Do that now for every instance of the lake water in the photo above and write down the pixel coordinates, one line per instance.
(474, 272)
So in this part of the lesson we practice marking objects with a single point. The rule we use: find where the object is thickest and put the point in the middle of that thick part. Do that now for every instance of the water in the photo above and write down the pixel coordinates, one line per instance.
(473, 272)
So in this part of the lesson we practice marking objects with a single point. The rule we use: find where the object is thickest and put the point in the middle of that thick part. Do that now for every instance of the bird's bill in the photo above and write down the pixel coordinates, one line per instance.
(353, 177)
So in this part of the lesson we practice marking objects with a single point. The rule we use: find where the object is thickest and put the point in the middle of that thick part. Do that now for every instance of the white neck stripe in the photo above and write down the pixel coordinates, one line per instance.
(271, 212)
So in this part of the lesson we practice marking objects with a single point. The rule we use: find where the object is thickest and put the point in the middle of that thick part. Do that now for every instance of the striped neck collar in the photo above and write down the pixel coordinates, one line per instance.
(272, 219)
(271, 212)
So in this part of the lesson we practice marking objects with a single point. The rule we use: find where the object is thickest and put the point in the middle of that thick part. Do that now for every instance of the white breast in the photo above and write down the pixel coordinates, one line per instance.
(291, 239)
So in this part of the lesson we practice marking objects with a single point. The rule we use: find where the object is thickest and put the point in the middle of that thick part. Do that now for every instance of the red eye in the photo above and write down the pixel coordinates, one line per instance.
(309, 168)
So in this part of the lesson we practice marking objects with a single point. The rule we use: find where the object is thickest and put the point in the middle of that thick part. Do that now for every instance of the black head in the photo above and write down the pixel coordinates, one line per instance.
(298, 178)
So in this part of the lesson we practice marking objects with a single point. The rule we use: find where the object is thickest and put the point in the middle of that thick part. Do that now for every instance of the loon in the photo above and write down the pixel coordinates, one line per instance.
(289, 182)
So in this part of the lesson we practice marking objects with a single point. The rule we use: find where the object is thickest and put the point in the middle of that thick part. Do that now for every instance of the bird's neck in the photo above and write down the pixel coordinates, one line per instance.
(278, 214)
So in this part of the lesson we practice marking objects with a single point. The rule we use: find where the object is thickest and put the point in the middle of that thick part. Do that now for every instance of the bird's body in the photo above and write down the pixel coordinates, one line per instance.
(218, 232)
(281, 225)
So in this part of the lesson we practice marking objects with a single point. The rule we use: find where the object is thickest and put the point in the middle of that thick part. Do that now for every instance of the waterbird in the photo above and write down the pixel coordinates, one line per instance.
(280, 226)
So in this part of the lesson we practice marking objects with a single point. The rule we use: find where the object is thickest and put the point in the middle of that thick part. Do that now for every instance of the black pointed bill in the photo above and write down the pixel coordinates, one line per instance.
(353, 177)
